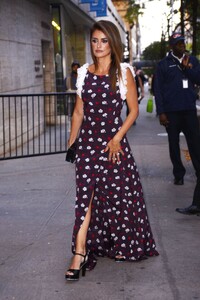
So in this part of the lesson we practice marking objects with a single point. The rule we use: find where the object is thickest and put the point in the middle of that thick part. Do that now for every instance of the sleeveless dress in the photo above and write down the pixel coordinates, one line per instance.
(119, 223)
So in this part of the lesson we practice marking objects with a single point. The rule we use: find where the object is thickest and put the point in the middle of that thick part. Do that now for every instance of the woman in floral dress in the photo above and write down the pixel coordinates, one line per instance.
(110, 214)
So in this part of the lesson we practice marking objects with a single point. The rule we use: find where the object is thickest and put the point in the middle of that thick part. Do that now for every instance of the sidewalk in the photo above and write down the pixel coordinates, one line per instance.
(37, 214)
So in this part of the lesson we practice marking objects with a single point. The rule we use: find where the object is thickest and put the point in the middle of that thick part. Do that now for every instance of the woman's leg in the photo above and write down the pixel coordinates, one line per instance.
(81, 240)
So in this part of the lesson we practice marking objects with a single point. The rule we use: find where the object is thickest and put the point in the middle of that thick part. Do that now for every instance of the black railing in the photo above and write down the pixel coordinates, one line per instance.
(34, 124)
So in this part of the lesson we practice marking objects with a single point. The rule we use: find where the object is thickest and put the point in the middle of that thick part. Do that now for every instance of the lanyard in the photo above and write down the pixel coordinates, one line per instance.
(179, 66)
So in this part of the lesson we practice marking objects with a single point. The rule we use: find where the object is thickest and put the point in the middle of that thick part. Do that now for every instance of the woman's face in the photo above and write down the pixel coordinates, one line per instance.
(100, 45)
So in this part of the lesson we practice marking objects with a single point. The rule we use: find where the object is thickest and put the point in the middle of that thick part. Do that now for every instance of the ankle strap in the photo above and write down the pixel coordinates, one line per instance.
(79, 254)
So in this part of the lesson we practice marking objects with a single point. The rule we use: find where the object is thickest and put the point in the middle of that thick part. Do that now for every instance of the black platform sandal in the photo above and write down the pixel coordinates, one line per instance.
(75, 272)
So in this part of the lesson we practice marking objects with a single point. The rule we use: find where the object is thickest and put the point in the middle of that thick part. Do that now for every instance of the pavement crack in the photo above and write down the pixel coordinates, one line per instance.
(3, 262)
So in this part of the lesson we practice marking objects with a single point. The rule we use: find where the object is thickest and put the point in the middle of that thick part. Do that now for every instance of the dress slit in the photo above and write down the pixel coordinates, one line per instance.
(81, 217)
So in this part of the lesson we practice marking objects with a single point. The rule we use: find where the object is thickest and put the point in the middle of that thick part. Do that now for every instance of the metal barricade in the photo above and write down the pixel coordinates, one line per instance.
(34, 124)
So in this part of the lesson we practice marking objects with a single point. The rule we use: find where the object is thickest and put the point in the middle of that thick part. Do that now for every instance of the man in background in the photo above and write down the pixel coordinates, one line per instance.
(175, 98)
(71, 79)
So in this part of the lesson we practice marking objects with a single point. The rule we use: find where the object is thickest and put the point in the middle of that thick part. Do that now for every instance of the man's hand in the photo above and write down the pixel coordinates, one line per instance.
(163, 120)
(185, 62)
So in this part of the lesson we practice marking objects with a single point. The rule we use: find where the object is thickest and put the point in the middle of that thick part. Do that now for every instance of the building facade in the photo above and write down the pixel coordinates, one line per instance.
(40, 39)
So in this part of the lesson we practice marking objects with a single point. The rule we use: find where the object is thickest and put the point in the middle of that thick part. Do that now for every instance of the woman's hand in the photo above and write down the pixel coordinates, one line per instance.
(115, 150)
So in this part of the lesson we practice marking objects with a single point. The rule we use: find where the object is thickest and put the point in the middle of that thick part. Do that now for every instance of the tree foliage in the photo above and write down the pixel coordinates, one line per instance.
(133, 11)
(154, 51)
(190, 19)
(189, 23)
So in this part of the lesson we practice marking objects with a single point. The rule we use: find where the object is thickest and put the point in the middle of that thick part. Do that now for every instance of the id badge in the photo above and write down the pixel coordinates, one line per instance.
(185, 83)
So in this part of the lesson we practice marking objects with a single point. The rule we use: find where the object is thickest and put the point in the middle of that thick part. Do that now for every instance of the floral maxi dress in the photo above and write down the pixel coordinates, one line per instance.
(119, 223)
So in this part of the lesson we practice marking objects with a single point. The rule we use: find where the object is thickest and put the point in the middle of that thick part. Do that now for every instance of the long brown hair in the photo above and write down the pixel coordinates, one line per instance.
(112, 33)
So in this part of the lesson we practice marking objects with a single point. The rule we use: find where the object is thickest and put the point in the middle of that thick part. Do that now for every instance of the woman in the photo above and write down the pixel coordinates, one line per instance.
(111, 218)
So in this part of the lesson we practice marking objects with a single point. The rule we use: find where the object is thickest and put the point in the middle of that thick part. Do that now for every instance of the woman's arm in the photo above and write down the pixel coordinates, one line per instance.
(131, 99)
(114, 146)
(77, 119)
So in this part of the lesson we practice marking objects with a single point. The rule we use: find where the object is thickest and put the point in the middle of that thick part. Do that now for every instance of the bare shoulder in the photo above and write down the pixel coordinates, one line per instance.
(91, 68)
(129, 74)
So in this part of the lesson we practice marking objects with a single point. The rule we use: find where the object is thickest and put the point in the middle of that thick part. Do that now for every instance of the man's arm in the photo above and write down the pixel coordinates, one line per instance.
(191, 68)
(158, 88)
